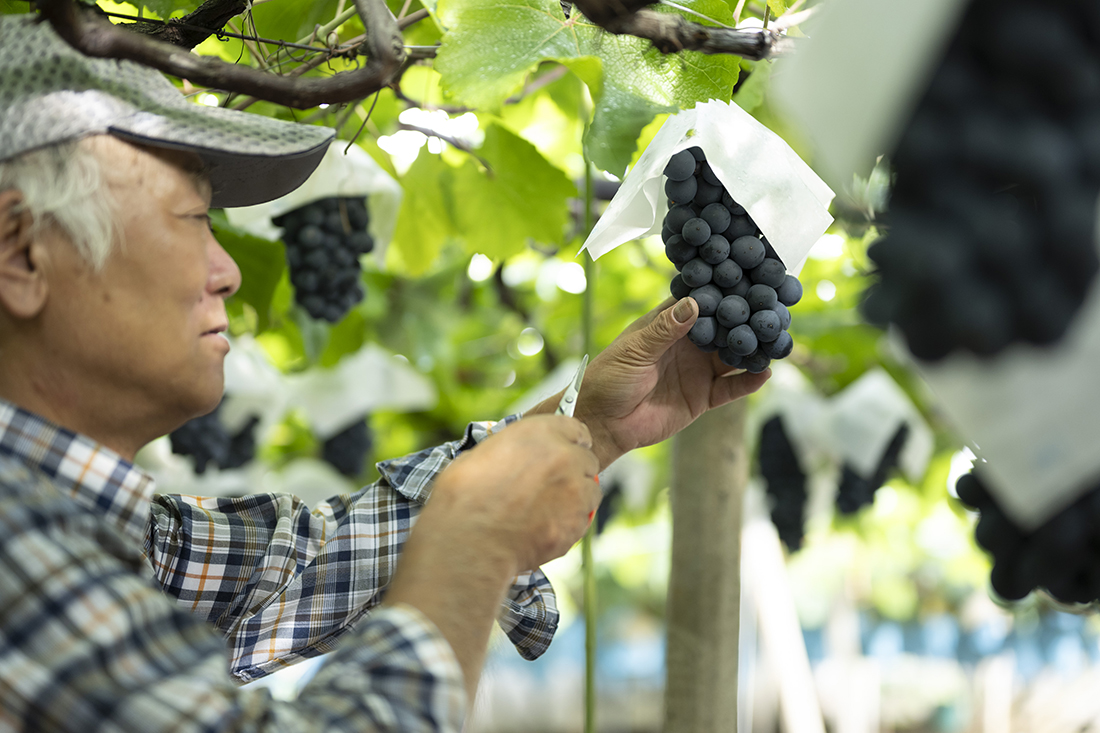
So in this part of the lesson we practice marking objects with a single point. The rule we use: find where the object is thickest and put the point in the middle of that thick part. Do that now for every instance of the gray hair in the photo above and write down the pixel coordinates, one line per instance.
(63, 185)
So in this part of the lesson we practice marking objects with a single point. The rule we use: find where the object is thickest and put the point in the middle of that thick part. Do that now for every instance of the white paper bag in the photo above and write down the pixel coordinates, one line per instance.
(780, 192)
(855, 81)
(862, 420)
(369, 380)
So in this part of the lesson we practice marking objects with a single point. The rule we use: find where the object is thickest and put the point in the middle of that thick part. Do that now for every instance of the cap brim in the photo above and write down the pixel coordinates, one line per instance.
(239, 179)
(50, 93)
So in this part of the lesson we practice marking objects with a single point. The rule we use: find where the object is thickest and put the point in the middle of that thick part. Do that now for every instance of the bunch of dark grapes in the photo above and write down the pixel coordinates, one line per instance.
(727, 266)
(207, 441)
(347, 450)
(854, 491)
(786, 483)
(324, 240)
(990, 237)
(1061, 556)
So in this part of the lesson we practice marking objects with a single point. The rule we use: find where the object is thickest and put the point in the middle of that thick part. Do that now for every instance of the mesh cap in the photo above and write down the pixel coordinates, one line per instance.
(50, 93)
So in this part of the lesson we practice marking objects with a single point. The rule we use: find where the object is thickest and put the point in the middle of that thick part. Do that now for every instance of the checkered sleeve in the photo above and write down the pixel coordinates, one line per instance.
(284, 582)
(88, 643)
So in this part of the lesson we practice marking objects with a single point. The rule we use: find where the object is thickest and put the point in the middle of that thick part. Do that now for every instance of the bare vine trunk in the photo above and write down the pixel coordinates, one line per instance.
(710, 473)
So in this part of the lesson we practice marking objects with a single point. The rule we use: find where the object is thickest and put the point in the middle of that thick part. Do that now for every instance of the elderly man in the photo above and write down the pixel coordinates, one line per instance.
(125, 610)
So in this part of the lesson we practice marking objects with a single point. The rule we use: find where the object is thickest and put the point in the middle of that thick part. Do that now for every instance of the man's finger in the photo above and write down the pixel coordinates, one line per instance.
(736, 386)
(649, 317)
(666, 328)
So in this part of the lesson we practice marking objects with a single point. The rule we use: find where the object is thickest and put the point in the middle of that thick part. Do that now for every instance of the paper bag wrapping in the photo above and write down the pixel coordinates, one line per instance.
(370, 379)
(786, 199)
(863, 419)
(351, 175)
(853, 84)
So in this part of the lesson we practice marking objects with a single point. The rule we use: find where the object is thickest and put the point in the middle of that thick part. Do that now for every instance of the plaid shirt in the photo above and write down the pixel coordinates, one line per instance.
(88, 637)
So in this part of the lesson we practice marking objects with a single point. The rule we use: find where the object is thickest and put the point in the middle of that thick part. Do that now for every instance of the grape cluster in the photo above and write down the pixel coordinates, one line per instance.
(990, 234)
(854, 491)
(207, 441)
(324, 240)
(727, 266)
(786, 483)
(347, 450)
(1062, 555)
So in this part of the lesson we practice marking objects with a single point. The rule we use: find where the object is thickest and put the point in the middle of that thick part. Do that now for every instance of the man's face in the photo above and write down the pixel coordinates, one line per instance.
(149, 326)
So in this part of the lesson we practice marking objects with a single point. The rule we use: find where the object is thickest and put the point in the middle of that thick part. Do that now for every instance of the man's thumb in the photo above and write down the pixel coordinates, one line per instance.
(671, 325)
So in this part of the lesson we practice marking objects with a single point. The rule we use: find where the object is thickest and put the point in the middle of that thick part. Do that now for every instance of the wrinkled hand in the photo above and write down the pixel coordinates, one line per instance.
(525, 492)
(652, 382)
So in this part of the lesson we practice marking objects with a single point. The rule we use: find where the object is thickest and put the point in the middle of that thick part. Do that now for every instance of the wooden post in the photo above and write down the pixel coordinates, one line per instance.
(710, 472)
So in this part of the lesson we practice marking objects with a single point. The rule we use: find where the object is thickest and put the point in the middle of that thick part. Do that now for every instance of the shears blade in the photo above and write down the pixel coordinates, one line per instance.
(568, 401)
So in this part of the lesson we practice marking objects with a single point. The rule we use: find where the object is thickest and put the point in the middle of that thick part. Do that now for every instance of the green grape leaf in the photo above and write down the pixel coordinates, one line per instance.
(751, 94)
(164, 9)
(490, 49)
(522, 197)
(290, 20)
(426, 220)
(261, 262)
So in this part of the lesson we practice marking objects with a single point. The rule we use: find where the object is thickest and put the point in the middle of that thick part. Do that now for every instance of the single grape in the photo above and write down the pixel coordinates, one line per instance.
(971, 492)
(361, 242)
(679, 288)
(716, 216)
(729, 358)
(741, 340)
(697, 273)
(732, 311)
(310, 236)
(739, 226)
(756, 362)
(678, 216)
(680, 166)
(727, 273)
(748, 252)
(715, 250)
(679, 251)
(780, 348)
(702, 333)
(357, 213)
(765, 324)
(769, 272)
(681, 192)
(741, 289)
(697, 153)
(706, 194)
(789, 291)
(761, 297)
(708, 297)
(708, 175)
(784, 316)
(696, 232)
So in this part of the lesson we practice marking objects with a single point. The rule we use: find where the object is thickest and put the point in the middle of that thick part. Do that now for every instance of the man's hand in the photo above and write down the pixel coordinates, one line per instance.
(651, 383)
(526, 491)
(520, 498)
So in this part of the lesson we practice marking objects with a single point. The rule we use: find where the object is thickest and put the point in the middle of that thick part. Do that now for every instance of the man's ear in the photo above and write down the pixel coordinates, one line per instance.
(23, 286)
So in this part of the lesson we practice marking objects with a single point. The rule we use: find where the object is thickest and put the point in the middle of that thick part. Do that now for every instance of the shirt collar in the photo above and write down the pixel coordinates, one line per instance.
(95, 476)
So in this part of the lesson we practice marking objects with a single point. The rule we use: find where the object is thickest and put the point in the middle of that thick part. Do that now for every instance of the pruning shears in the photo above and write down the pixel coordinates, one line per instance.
(568, 402)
